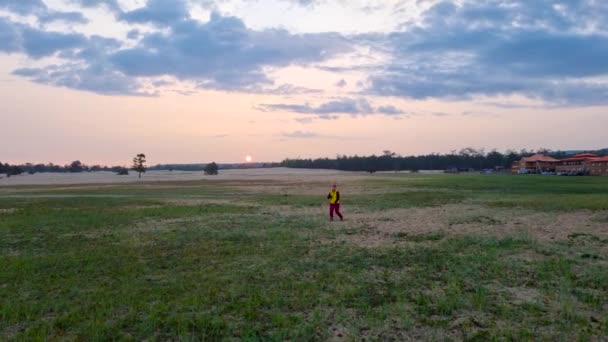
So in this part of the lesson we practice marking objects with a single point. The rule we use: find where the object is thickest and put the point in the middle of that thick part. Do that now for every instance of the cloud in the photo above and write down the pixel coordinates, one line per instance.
(23, 7)
(67, 17)
(305, 120)
(9, 37)
(331, 109)
(301, 135)
(162, 83)
(555, 51)
(220, 54)
(110, 4)
(307, 135)
(550, 50)
(77, 72)
(41, 11)
(288, 89)
(390, 110)
(38, 43)
(223, 53)
(305, 3)
(97, 78)
(161, 12)
(341, 106)
(133, 34)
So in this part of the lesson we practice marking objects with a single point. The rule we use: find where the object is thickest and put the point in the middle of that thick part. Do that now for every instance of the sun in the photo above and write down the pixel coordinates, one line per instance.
(248, 159)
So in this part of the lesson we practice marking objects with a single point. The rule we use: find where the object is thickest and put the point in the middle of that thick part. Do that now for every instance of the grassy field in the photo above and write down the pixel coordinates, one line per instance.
(431, 257)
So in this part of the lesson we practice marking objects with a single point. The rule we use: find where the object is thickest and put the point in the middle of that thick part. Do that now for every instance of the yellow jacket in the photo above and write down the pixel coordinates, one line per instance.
(334, 197)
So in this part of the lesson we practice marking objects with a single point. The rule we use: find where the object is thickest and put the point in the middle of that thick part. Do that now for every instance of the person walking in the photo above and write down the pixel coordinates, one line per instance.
(334, 203)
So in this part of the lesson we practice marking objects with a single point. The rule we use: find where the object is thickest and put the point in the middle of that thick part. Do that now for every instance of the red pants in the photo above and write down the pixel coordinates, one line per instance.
(336, 208)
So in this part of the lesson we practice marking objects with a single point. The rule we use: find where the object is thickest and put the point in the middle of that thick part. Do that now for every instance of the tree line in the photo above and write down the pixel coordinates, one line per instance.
(77, 166)
(202, 167)
(465, 159)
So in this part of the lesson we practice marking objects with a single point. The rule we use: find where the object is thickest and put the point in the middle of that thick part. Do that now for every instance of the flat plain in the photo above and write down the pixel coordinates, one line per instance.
(251, 255)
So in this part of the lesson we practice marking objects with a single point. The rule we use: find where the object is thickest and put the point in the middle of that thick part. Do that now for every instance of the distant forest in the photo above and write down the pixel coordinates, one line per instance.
(201, 167)
(465, 159)
(77, 166)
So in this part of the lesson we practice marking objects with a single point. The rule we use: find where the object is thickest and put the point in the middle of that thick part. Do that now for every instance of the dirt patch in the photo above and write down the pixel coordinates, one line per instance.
(398, 226)
(525, 257)
(10, 252)
(136, 232)
(601, 217)
(13, 330)
(523, 295)
(186, 202)
(338, 333)
(153, 226)
(316, 211)
(468, 324)
(8, 211)
(139, 207)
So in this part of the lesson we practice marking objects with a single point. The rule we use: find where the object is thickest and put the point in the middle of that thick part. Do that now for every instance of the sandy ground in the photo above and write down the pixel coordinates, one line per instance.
(401, 226)
(280, 174)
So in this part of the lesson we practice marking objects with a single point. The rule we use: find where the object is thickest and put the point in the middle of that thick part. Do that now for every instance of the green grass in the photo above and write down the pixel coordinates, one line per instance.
(542, 193)
(560, 202)
(141, 268)
(408, 199)
(298, 201)
(382, 201)
(516, 184)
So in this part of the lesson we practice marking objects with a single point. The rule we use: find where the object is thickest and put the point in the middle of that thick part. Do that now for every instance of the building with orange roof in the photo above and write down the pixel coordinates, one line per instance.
(576, 165)
(580, 164)
(598, 166)
(537, 163)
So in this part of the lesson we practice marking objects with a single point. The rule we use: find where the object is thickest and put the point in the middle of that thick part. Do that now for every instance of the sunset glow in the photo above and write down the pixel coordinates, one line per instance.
(197, 81)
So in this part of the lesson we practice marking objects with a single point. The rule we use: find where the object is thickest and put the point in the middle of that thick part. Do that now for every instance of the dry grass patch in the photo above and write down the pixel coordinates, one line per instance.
(183, 201)
(398, 226)
(298, 188)
(524, 295)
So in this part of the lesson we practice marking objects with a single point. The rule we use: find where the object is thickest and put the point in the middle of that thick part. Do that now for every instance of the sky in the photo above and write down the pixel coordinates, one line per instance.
(189, 81)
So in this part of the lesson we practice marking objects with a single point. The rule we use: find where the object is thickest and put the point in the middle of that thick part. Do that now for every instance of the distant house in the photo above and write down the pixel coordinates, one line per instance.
(598, 166)
(580, 164)
(537, 163)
